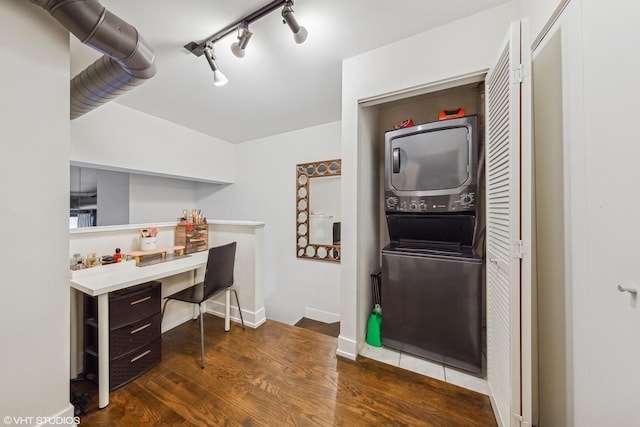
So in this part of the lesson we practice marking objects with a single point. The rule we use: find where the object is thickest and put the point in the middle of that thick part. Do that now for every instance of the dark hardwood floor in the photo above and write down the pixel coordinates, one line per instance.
(331, 329)
(279, 375)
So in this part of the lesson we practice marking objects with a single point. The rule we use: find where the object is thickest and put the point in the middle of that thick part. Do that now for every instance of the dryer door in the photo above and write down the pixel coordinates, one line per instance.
(435, 160)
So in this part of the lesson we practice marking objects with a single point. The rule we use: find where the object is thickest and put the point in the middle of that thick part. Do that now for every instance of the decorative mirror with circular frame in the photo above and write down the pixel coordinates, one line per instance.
(317, 235)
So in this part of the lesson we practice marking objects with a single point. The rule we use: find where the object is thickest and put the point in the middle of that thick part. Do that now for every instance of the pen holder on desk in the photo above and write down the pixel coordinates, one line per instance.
(147, 243)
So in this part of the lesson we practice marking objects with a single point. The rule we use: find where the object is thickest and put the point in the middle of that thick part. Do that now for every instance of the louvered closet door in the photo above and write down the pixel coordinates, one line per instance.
(503, 228)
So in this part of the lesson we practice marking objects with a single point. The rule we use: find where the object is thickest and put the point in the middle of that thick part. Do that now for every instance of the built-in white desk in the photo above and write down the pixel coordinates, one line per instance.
(99, 281)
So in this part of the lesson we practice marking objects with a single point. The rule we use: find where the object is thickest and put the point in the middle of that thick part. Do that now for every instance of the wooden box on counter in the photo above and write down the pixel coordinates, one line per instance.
(194, 237)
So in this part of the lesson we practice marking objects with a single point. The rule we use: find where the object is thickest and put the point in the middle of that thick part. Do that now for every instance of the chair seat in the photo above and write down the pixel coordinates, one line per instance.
(193, 294)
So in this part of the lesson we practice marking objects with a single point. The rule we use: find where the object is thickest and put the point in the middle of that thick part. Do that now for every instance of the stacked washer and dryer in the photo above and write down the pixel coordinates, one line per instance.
(432, 293)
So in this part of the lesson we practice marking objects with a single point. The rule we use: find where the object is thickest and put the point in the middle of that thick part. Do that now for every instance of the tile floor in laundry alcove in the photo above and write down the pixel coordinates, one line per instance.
(426, 367)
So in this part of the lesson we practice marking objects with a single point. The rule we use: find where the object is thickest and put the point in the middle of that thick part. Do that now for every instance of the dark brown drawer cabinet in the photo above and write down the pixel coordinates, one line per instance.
(133, 304)
(130, 366)
(134, 333)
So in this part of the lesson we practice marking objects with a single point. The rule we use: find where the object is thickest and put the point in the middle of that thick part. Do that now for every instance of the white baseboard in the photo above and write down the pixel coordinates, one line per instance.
(321, 316)
(260, 317)
(251, 319)
(347, 348)
(65, 417)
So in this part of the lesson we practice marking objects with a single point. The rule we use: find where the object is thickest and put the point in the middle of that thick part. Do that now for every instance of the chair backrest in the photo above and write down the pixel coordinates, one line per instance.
(219, 272)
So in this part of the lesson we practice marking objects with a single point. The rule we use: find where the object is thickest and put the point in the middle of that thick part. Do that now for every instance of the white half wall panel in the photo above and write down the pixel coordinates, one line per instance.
(123, 139)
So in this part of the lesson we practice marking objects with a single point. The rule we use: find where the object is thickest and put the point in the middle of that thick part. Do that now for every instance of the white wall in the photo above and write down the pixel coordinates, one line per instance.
(158, 199)
(133, 198)
(113, 197)
(413, 63)
(34, 292)
(146, 144)
(539, 12)
(265, 191)
(248, 276)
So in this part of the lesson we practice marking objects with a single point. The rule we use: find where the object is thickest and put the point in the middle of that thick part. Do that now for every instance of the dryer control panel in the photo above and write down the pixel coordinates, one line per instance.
(464, 202)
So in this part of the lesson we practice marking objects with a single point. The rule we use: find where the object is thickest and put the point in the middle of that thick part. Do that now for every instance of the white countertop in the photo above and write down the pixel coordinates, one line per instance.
(112, 228)
(109, 280)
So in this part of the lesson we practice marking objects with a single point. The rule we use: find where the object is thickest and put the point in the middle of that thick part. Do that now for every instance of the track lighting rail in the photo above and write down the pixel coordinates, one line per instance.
(197, 48)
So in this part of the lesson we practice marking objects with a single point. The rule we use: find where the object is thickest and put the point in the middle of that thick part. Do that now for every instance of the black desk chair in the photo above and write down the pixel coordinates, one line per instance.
(218, 277)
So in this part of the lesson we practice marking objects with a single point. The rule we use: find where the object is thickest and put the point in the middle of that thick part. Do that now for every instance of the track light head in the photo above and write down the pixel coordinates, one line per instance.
(219, 79)
(299, 32)
(243, 39)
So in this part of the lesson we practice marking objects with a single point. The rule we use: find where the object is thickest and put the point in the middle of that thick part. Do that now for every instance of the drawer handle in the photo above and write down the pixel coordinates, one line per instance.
(140, 328)
(140, 300)
(140, 356)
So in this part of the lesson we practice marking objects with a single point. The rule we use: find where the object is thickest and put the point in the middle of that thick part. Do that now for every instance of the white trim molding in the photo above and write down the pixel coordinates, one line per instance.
(252, 319)
(321, 316)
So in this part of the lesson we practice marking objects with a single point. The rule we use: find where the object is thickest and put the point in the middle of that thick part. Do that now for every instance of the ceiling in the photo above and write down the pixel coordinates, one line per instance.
(278, 86)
